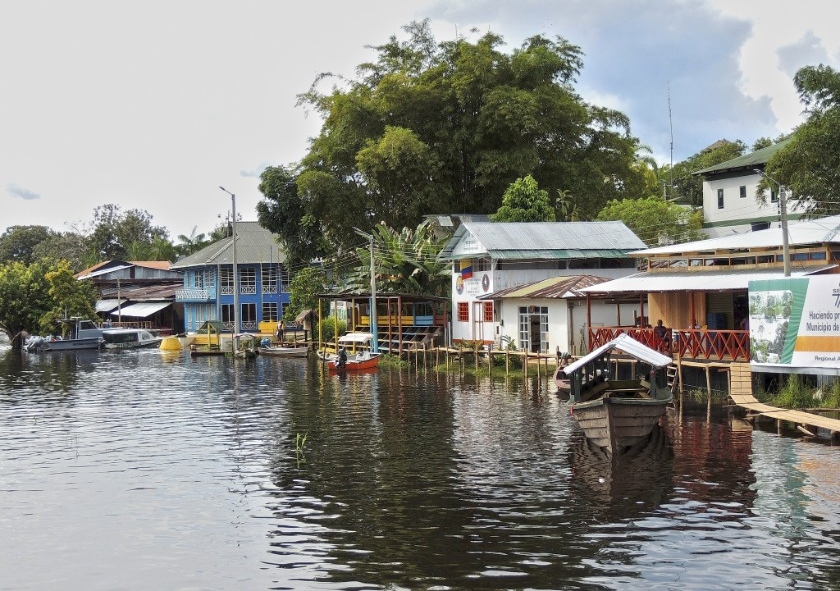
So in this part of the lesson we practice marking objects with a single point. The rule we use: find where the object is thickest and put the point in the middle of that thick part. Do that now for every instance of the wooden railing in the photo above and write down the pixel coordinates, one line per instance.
(712, 345)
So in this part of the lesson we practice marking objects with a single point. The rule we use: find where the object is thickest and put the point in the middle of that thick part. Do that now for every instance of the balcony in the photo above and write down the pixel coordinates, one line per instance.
(688, 344)
(195, 295)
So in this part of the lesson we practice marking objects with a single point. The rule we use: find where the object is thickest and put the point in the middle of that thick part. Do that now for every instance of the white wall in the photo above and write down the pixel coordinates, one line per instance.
(735, 207)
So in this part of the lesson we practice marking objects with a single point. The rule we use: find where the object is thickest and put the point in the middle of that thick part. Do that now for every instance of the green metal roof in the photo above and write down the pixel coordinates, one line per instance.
(748, 161)
(254, 245)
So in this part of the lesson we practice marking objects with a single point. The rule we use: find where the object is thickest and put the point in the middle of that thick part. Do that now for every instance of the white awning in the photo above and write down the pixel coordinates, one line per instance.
(141, 310)
(105, 306)
(104, 271)
(691, 281)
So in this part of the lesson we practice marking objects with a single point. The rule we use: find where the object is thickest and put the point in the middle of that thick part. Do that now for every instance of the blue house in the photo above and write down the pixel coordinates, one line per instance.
(263, 281)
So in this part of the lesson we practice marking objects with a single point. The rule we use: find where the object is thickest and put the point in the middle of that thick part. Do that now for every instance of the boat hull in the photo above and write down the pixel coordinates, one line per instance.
(355, 364)
(615, 424)
(72, 344)
(294, 352)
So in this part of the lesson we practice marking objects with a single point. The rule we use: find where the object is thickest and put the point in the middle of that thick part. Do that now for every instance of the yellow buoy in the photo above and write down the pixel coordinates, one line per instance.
(170, 344)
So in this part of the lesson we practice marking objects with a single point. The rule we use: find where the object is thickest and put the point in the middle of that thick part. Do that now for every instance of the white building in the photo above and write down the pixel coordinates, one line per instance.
(490, 257)
(729, 195)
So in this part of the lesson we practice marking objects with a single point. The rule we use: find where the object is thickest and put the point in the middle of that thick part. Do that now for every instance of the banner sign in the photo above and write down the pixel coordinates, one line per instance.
(795, 324)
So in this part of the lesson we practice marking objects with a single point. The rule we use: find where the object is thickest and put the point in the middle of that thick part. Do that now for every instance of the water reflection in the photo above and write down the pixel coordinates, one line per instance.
(174, 472)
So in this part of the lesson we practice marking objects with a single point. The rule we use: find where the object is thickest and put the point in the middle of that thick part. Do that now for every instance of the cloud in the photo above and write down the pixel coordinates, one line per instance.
(809, 50)
(22, 193)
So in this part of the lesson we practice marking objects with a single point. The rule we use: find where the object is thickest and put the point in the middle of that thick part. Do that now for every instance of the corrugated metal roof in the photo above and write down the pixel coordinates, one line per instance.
(748, 161)
(254, 245)
(104, 271)
(143, 310)
(692, 281)
(626, 344)
(108, 305)
(551, 288)
(816, 231)
(543, 240)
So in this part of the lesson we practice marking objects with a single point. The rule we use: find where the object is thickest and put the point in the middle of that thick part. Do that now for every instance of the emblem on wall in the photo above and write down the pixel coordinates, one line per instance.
(459, 285)
(485, 282)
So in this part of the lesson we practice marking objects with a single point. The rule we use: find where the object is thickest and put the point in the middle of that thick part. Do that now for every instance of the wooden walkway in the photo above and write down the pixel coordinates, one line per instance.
(800, 418)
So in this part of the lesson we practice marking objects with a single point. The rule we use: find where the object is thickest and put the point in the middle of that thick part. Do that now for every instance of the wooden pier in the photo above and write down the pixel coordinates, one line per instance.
(804, 421)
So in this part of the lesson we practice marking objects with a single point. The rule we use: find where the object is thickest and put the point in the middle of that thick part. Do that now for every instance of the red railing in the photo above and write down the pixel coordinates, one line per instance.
(712, 345)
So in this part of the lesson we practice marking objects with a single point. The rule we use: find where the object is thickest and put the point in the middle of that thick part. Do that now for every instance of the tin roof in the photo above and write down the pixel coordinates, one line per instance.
(800, 233)
(662, 281)
(254, 245)
(747, 161)
(626, 344)
(542, 240)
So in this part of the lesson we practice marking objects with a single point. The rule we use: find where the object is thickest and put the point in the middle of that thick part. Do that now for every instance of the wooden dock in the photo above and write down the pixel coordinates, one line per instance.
(804, 421)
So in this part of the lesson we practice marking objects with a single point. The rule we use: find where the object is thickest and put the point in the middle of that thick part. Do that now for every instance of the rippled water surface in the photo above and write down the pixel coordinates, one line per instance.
(144, 470)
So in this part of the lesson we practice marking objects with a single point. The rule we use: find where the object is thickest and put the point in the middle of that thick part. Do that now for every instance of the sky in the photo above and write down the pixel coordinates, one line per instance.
(155, 105)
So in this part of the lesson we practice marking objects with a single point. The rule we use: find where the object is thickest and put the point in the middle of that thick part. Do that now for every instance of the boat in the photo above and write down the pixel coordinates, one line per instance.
(280, 351)
(83, 334)
(129, 338)
(360, 356)
(617, 413)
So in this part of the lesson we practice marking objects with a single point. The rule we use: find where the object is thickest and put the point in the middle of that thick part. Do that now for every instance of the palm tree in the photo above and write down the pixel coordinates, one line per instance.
(190, 244)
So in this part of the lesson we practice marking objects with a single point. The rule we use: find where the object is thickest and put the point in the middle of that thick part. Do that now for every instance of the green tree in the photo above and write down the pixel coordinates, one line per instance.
(304, 289)
(71, 246)
(446, 127)
(118, 235)
(68, 296)
(405, 261)
(192, 243)
(524, 201)
(24, 296)
(656, 221)
(19, 243)
(809, 165)
(284, 213)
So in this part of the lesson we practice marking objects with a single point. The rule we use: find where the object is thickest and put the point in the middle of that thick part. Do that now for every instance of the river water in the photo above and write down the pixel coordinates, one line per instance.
(148, 470)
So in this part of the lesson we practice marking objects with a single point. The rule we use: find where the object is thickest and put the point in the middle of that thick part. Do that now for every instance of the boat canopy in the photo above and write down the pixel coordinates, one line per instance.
(355, 338)
(626, 344)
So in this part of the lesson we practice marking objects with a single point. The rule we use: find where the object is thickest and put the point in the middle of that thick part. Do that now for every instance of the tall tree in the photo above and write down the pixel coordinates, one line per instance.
(445, 128)
(304, 289)
(117, 234)
(524, 201)
(19, 243)
(284, 213)
(809, 165)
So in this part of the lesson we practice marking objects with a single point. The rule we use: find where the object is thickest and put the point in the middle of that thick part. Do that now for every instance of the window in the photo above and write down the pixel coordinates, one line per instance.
(227, 316)
(720, 198)
(488, 311)
(198, 280)
(743, 191)
(269, 312)
(248, 280)
(226, 281)
(249, 316)
(463, 312)
(774, 196)
(269, 279)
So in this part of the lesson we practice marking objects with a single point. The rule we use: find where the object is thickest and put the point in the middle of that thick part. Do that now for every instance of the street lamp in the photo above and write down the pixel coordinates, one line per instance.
(236, 323)
(783, 219)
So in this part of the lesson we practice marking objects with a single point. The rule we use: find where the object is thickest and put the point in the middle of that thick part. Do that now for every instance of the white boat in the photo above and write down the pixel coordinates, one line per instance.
(129, 338)
(302, 351)
(84, 334)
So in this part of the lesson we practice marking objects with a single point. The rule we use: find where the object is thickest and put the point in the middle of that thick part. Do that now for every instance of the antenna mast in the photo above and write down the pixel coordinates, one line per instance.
(671, 127)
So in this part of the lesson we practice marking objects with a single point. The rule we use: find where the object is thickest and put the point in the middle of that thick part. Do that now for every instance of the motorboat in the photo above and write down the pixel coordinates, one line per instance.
(355, 352)
(82, 334)
(130, 338)
(283, 351)
(617, 413)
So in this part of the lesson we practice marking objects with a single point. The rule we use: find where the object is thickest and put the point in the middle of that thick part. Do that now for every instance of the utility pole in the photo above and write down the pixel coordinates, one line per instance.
(782, 218)
(374, 329)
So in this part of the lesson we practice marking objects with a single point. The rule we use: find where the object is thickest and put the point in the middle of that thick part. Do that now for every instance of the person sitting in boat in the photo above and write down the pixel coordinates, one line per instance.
(342, 358)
